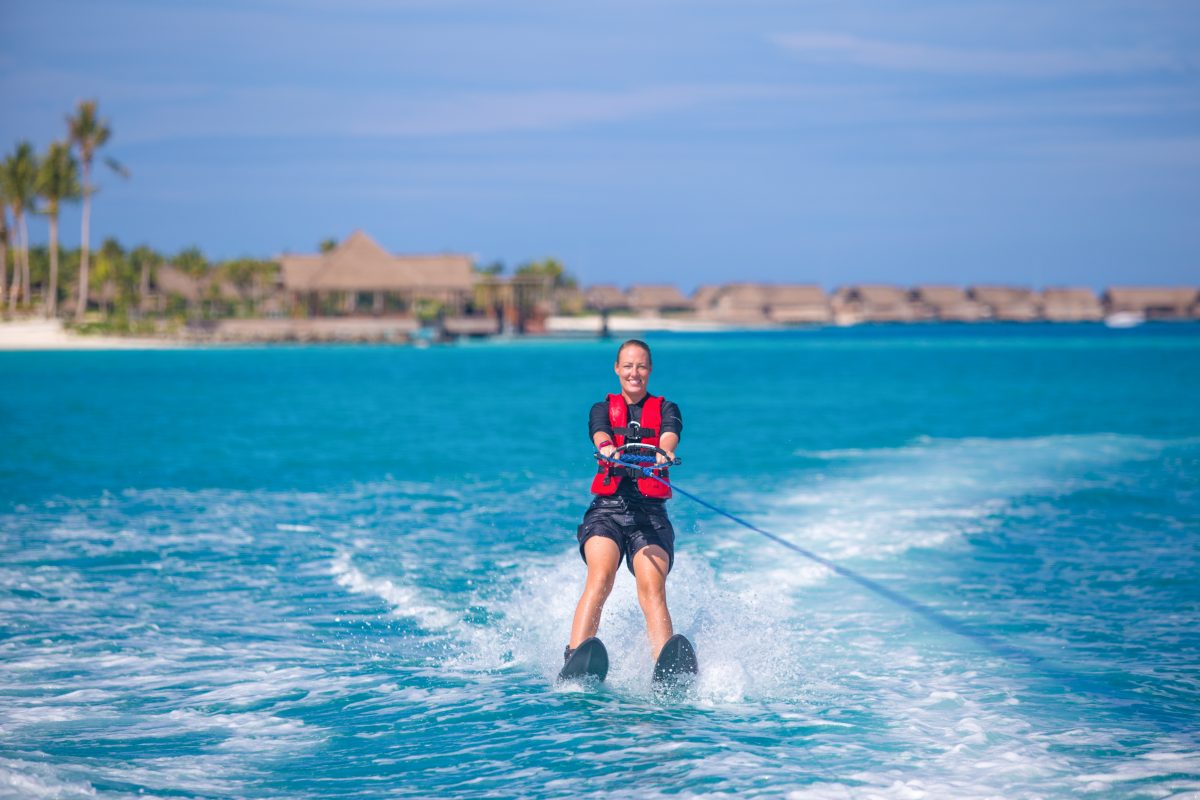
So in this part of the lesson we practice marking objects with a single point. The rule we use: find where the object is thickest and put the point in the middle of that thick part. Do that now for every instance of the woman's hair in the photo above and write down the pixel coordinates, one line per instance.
(635, 343)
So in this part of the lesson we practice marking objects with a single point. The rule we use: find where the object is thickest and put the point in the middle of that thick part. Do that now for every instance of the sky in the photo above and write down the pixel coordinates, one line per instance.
(695, 142)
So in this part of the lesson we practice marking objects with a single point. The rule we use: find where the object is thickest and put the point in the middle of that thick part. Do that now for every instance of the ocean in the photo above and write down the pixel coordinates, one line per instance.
(327, 572)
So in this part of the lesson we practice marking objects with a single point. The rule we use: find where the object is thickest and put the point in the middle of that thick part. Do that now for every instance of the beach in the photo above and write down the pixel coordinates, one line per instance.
(41, 334)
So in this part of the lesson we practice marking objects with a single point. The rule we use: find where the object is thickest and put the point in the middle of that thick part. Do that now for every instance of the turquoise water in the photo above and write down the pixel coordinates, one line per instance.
(349, 572)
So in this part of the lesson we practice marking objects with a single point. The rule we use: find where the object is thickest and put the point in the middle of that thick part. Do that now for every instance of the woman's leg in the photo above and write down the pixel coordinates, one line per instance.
(650, 566)
(603, 558)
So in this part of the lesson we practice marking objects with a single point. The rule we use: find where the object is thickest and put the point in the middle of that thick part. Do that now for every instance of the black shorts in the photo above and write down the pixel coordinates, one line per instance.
(631, 525)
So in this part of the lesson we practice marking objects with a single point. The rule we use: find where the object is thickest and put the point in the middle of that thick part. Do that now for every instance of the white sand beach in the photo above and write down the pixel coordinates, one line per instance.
(48, 334)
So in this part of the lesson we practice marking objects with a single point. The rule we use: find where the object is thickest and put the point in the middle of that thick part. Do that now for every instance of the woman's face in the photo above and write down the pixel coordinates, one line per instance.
(633, 370)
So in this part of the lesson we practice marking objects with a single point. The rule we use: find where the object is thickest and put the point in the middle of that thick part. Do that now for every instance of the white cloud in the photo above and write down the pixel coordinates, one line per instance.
(901, 56)
(156, 111)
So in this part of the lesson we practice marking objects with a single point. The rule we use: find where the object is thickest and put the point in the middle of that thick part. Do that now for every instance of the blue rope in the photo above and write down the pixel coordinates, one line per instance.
(1096, 684)
(989, 642)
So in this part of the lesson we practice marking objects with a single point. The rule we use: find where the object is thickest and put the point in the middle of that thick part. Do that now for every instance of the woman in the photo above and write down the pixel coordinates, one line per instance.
(628, 518)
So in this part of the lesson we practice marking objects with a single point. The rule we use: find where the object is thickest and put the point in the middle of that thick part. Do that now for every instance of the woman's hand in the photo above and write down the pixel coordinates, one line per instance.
(669, 458)
(608, 450)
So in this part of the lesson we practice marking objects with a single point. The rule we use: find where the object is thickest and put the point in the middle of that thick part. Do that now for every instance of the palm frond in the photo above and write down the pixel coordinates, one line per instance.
(116, 166)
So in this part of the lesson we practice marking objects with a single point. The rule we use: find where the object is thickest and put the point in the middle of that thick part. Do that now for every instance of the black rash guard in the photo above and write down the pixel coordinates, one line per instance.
(672, 422)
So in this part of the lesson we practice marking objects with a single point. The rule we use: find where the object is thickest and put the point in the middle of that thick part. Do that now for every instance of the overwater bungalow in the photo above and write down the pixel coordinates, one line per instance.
(739, 304)
(947, 304)
(657, 299)
(778, 303)
(605, 297)
(1007, 303)
(1071, 304)
(872, 303)
(705, 297)
(1153, 302)
(792, 303)
(359, 276)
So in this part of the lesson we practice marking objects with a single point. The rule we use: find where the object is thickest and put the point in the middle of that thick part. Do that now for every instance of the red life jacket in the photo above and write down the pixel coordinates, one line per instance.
(608, 478)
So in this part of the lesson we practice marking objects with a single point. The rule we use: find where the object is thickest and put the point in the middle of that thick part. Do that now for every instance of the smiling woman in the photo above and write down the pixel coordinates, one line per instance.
(627, 518)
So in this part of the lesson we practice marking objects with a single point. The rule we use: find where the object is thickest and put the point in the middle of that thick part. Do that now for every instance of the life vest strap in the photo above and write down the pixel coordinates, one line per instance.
(636, 434)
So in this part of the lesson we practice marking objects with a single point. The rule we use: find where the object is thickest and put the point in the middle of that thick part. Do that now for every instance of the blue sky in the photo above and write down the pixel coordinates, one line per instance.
(691, 142)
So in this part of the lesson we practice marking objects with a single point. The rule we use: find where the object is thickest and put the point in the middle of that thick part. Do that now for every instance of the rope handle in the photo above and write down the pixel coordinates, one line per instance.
(636, 461)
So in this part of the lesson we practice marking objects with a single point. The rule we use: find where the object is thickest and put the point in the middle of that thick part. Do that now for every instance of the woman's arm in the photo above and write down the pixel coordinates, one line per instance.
(668, 441)
(603, 442)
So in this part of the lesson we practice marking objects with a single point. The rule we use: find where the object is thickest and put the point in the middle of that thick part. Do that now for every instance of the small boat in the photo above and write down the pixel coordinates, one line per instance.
(1124, 319)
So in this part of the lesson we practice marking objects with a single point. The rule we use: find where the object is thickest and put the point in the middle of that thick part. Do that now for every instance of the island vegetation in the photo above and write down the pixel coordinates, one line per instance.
(354, 289)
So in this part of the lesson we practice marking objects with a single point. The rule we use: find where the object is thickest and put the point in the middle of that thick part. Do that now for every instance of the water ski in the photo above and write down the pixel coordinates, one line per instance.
(590, 660)
(676, 661)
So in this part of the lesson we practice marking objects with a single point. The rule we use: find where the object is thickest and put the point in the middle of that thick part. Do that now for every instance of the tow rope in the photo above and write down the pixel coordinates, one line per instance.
(986, 640)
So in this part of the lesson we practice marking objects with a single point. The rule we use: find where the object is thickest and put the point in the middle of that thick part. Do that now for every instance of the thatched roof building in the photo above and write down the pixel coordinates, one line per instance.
(360, 266)
(605, 296)
(1071, 304)
(705, 297)
(171, 280)
(948, 304)
(1154, 302)
(1008, 303)
(794, 302)
(741, 303)
(657, 298)
(873, 303)
(779, 303)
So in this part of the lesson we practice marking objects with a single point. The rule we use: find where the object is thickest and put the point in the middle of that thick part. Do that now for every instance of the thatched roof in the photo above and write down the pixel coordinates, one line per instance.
(170, 279)
(793, 302)
(796, 294)
(760, 303)
(657, 297)
(1071, 304)
(360, 264)
(1155, 301)
(949, 303)
(1008, 303)
(1001, 295)
(873, 302)
(605, 295)
(705, 296)
(939, 295)
(297, 270)
(742, 297)
(876, 295)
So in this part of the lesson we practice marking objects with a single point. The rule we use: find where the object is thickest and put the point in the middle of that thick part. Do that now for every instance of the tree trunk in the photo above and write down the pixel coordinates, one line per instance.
(25, 259)
(3, 262)
(14, 291)
(144, 287)
(51, 304)
(81, 309)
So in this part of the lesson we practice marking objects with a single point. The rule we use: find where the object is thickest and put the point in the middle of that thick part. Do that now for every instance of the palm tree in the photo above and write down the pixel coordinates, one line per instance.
(18, 174)
(57, 180)
(89, 133)
(3, 244)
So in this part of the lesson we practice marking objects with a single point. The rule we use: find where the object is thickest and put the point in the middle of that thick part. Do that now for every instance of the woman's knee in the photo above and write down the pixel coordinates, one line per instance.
(600, 583)
(650, 571)
(651, 565)
(603, 560)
